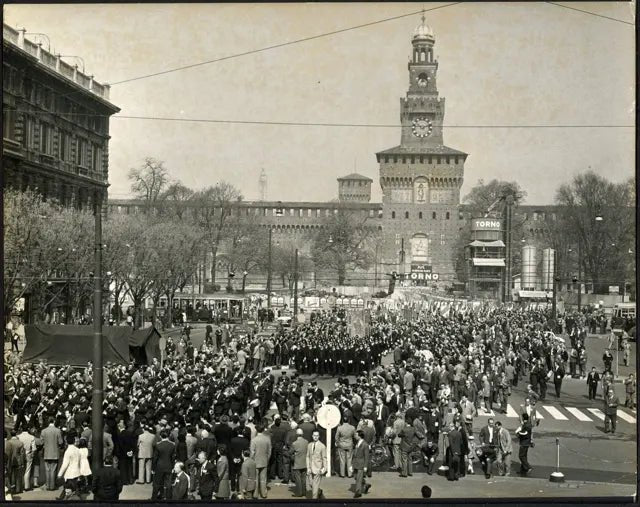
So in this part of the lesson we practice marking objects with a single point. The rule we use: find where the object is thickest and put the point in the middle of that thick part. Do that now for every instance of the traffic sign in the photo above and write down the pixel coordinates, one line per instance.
(328, 416)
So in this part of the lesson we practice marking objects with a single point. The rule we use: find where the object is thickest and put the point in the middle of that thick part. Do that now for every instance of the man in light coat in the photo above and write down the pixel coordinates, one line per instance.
(505, 449)
(344, 443)
(52, 440)
(260, 448)
(70, 468)
(316, 464)
(29, 442)
(145, 452)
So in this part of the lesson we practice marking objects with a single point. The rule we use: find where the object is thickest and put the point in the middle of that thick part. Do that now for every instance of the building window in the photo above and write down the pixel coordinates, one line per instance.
(421, 159)
(81, 152)
(96, 158)
(370, 213)
(63, 145)
(291, 212)
(448, 215)
(46, 138)
(430, 159)
(27, 137)
(455, 159)
(406, 214)
(535, 215)
(448, 160)
(438, 160)
(326, 212)
(420, 214)
(442, 239)
(393, 214)
(9, 123)
(433, 215)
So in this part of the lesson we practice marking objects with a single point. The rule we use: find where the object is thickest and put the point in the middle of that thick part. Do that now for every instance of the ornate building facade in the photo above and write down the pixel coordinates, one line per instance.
(55, 124)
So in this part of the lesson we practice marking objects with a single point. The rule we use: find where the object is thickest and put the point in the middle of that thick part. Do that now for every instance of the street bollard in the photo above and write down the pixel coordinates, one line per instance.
(557, 476)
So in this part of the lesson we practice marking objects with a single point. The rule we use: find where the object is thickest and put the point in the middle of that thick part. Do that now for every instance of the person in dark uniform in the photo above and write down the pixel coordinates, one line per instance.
(106, 482)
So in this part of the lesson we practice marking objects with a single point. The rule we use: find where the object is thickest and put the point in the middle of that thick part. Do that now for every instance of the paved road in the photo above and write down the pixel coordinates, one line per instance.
(388, 485)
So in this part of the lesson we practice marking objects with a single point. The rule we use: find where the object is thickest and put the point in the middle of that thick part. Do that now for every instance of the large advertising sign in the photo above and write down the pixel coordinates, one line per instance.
(422, 273)
(486, 224)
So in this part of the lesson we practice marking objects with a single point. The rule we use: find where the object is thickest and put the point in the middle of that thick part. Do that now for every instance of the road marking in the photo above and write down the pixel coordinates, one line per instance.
(555, 413)
(511, 412)
(578, 414)
(597, 412)
(626, 417)
(483, 412)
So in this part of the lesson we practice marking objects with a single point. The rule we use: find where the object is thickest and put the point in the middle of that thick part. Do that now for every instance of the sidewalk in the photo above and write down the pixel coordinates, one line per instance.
(387, 485)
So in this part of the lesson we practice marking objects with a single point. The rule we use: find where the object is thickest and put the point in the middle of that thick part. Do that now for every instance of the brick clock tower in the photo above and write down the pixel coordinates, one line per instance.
(421, 179)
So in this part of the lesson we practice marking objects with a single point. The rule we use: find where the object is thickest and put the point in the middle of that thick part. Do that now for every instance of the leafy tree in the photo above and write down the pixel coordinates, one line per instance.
(344, 243)
(605, 244)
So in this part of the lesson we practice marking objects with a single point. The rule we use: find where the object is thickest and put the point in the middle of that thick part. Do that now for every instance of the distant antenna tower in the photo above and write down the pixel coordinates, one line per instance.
(263, 185)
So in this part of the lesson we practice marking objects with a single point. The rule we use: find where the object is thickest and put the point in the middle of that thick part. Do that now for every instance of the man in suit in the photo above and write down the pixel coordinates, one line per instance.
(381, 417)
(208, 444)
(206, 475)
(52, 439)
(360, 463)
(308, 427)
(592, 382)
(407, 440)
(455, 451)
(180, 486)
(145, 452)
(106, 483)
(504, 449)
(260, 448)
(15, 459)
(161, 465)
(316, 463)
(248, 475)
(558, 376)
(344, 442)
(610, 410)
(299, 449)
(488, 439)
(238, 444)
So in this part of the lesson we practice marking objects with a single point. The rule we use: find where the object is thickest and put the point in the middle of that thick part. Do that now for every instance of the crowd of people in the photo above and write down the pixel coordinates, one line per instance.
(216, 420)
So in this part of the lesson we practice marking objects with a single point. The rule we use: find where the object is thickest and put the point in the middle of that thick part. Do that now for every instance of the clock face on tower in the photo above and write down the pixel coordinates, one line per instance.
(422, 80)
(422, 127)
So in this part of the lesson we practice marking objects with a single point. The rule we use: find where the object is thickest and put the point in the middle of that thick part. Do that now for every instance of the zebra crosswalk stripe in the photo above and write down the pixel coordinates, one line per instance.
(623, 415)
(511, 412)
(578, 414)
(555, 413)
(597, 412)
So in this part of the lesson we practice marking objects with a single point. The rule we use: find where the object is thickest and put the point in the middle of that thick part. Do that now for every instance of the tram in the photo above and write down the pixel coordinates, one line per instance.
(208, 307)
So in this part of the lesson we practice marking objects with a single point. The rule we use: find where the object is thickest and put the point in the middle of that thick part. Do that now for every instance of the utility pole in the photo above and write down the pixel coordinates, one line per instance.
(98, 374)
(579, 274)
(295, 290)
(269, 270)
(554, 281)
(506, 293)
(402, 259)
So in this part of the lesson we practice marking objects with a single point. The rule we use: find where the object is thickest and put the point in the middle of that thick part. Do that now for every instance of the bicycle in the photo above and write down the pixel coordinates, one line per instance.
(380, 455)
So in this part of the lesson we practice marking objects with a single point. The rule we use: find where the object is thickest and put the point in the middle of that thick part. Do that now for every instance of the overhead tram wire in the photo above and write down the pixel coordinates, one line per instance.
(268, 48)
(592, 13)
(330, 124)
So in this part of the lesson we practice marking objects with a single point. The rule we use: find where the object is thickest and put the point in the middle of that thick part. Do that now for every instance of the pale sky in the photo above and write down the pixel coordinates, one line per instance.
(499, 64)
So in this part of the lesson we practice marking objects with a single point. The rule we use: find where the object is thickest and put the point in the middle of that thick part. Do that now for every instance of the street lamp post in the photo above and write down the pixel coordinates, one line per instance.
(295, 289)
(98, 376)
(269, 270)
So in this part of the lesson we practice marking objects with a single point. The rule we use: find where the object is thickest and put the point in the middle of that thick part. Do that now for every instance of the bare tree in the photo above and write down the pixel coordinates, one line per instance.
(213, 207)
(149, 181)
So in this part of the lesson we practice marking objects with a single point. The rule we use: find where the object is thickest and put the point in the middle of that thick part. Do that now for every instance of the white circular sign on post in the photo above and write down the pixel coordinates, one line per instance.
(329, 416)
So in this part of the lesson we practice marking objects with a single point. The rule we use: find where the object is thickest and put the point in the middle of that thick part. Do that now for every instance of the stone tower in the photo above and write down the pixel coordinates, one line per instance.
(421, 178)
